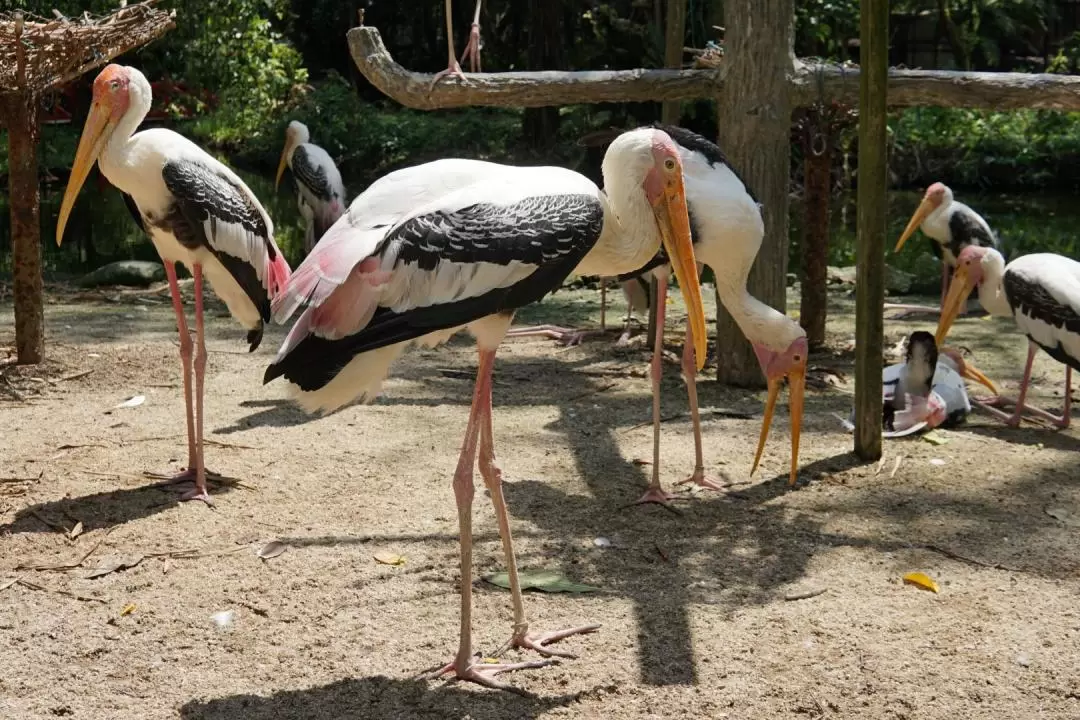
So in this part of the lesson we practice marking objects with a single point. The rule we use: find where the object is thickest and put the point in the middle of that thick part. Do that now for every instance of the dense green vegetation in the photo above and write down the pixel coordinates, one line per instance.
(267, 61)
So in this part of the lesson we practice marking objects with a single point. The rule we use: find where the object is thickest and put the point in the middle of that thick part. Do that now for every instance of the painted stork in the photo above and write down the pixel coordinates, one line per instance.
(927, 389)
(472, 49)
(727, 230)
(196, 211)
(1041, 292)
(951, 227)
(320, 194)
(454, 244)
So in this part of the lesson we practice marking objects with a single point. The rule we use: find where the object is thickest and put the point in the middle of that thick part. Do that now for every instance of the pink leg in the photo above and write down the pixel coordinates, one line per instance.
(185, 361)
(452, 68)
(199, 493)
(472, 50)
(1013, 420)
(1061, 421)
(655, 493)
(492, 475)
(689, 368)
(463, 665)
(564, 335)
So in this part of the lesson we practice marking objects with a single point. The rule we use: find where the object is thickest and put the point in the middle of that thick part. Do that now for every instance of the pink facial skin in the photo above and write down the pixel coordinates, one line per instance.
(936, 194)
(972, 256)
(111, 89)
(663, 150)
(778, 365)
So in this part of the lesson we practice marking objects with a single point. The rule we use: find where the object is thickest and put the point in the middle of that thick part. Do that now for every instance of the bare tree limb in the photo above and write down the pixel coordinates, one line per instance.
(907, 88)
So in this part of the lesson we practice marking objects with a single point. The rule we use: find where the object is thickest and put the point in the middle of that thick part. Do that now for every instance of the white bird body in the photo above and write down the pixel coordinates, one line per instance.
(1041, 292)
(427, 251)
(320, 192)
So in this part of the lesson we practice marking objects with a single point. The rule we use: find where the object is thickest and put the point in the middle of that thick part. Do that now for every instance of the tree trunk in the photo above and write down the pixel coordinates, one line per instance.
(817, 181)
(870, 250)
(25, 227)
(541, 125)
(755, 132)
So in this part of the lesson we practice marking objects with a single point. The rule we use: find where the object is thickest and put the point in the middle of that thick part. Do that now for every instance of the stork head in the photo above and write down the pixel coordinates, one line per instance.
(645, 164)
(295, 134)
(937, 195)
(117, 90)
(971, 266)
(787, 362)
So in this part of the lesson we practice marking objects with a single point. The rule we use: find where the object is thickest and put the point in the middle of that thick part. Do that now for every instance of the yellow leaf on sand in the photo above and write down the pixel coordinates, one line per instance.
(389, 558)
(128, 609)
(921, 580)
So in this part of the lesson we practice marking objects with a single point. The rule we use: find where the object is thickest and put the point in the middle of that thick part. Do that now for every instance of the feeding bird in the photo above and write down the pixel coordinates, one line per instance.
(1041, 292)
(927, 390)
(427, 251)
(951, 226)
(472, 48)
(320, 194)
(196, 211)
(727, 230)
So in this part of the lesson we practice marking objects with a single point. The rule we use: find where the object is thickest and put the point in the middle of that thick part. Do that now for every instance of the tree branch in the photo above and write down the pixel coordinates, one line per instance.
(907, 88)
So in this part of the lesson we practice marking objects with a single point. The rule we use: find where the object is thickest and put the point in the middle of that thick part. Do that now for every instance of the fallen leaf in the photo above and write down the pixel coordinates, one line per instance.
(389, 558)
(935, 438)
(546, 580)
(640, 461)
(75, 531)
(271, 549)
(921, 580)
(113, 564)
(128, 609)
(937, 461)
(224, 618)
(4, 585)
(1063, 516)
(601, 542)
(133, 401)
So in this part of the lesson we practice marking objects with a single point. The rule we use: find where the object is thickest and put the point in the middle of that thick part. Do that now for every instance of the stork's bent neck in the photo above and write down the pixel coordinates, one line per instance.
(628, 241)
(115, 155)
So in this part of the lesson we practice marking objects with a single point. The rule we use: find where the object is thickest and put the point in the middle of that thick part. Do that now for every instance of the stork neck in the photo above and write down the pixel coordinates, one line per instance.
(628, 241)
(761, 323)
(992, 291)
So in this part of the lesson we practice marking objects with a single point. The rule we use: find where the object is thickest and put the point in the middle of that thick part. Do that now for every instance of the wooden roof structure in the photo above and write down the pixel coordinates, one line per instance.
(38, 53)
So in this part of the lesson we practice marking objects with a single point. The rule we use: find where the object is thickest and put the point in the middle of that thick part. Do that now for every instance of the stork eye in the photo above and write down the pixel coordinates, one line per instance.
(669, 164)
(114, 85)
(797, 357)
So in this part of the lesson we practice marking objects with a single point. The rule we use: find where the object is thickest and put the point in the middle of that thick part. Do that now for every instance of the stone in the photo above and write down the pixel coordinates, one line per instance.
(125, 272)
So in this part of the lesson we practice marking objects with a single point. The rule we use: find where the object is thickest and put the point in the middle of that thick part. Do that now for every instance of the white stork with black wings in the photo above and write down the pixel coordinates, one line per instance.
(1041, 292)
(196, 211)
(455, 244)
(320, 193)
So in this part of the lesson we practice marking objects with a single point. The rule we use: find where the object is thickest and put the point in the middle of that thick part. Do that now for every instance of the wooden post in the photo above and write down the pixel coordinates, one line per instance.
(23, 195)
(674, 32)
(870, 252)
(754, 108)
(817, 143)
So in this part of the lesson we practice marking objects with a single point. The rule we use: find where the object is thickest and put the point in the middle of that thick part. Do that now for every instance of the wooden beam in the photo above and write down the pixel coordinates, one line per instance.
(21, 112)
(872, 211)
(806, 81)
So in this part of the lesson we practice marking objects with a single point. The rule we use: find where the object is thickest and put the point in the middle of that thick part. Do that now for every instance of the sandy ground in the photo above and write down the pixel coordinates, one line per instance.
(698, 609)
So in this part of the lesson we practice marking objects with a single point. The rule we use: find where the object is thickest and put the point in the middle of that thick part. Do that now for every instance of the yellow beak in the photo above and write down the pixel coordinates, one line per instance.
(959, 291)
(797, 382)
(924, 209)
(973, 373)
(281, 163)
(95, 134)
(674, 223)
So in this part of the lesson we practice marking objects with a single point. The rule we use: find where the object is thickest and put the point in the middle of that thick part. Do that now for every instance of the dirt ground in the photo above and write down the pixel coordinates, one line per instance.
(701, 611)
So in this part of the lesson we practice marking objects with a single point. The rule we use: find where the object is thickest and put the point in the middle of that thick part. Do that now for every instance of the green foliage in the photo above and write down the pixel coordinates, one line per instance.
(822, 27)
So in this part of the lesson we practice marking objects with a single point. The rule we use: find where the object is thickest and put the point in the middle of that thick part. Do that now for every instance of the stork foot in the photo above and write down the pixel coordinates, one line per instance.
(188, 476)
(453, 70)
(484, 673)
(658, 496)
(568, 337)
(701, 479)
(540, 642)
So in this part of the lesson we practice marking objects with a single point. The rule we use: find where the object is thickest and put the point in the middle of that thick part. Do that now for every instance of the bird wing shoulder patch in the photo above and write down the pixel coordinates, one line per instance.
(1036, 301)
(208, 198)
(311, 175)
(534, 231)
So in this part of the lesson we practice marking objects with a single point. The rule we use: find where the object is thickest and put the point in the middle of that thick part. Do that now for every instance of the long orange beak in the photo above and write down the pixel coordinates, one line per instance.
(797, 383)
(973, 373)
(95, 134)
(289, 144)
(959, 291)
(925, 208)
(674, 223)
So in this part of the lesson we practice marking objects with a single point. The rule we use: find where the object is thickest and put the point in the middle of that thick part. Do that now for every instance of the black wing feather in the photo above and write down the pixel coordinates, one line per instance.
(133, 208)
(1035, 301)
(554, 234)
(311, 175)
(964, 230)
